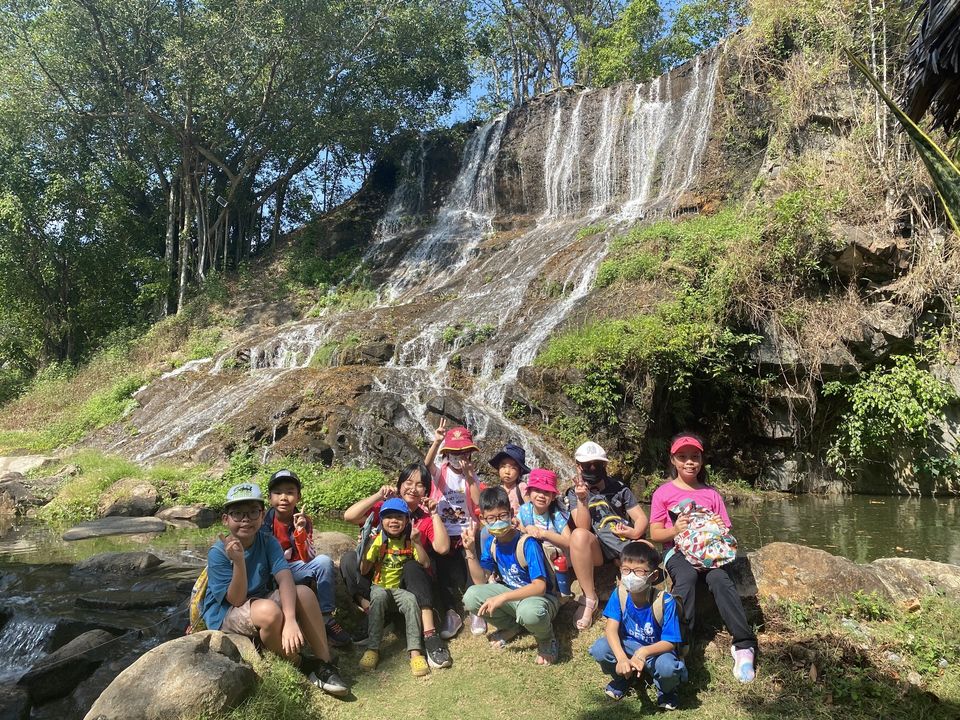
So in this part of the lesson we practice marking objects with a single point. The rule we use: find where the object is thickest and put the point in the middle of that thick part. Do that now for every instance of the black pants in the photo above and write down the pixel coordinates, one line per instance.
(685, 578)
(415, 578)
(452, 579)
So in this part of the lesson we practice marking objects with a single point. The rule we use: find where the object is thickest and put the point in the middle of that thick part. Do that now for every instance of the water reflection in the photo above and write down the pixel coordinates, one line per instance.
(858, 527)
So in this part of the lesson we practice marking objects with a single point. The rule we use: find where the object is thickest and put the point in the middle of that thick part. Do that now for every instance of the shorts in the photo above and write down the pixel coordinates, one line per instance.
(611, 544)
(237, 620)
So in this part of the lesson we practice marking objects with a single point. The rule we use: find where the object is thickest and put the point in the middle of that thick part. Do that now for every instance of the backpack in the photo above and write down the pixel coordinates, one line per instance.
(521, 556)
(367, 534)
(197, 594)
(657, 608)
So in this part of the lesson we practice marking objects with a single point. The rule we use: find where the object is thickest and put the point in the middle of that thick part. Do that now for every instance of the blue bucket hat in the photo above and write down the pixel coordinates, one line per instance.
(515, 453)
(395, 505)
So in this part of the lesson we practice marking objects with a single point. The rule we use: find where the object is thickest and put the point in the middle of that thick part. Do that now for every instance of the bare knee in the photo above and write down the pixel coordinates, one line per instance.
(266, 615)
(304, 595)
(581, 539)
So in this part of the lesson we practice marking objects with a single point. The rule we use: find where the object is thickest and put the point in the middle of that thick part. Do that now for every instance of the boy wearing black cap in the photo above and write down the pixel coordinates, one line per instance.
(243, 568)
(294, 531)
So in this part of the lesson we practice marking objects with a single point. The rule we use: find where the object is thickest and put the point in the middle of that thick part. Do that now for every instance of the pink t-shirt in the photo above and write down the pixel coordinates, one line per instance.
(668, 495)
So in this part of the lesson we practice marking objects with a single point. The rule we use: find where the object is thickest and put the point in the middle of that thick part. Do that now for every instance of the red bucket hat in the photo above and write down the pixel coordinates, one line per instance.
(458, 439)
(541, 479)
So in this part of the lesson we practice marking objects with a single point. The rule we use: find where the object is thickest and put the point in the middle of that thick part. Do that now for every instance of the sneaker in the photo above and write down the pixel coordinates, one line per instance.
(369, 660)
(337, 636)
(478, 626)
(419, 666)
(617, 688)
(451, 625)
(328, 679)
(437, 655)
(668, 701)
(743, 669)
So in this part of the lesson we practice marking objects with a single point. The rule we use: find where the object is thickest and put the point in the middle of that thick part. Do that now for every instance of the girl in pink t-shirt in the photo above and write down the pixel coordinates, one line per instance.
(688, 481)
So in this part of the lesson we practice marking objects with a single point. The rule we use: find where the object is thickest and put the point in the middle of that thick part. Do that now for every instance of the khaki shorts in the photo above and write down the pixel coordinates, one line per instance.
(237, 620)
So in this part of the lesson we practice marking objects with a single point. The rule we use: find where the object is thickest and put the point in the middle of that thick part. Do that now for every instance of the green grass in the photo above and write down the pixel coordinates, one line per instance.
(850, 682)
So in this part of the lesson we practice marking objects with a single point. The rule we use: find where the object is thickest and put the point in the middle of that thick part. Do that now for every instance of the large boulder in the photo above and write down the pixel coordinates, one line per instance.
(119, 563)
(68, 629)
(333, 544)
(130, 497)
(16, 495)
(908, 577)
(126, 600)
(193, 676)
(25, 463)
(784, 571)
(14, 703)
(189, 515)
(59, 672)
(115, 526)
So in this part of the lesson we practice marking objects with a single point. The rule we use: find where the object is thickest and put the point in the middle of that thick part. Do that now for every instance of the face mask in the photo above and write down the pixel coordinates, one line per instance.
(456, 462)
(593, 477)
(634, 583)
(499, 527)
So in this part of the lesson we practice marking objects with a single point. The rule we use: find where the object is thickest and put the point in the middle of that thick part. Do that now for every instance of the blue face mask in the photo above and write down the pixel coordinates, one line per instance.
(499, 527)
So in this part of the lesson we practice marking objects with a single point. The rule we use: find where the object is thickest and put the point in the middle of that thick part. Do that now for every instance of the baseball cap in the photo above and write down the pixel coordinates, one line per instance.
(685, 441)
(395, 505)
(284, 475)
(589, 452)
(244, 492)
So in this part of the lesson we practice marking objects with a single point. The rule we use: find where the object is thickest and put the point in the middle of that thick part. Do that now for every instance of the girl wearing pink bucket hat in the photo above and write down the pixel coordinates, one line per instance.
(456, 488)
(542, 516)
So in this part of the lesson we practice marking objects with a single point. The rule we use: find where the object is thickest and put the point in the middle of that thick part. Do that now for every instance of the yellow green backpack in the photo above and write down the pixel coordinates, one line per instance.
(197, 594)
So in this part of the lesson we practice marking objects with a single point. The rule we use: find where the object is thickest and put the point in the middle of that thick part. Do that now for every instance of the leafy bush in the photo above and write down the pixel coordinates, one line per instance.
(889, 407)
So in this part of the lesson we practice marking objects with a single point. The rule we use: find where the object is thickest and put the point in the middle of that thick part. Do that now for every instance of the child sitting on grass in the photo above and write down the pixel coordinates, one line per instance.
(242, 570)
(397, 543)
(634, 640)
(526, 597)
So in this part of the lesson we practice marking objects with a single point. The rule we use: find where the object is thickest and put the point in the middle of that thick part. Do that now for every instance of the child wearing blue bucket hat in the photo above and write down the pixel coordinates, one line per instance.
(510, 464)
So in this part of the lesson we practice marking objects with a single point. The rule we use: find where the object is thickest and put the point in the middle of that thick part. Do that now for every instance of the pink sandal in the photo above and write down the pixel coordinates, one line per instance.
(586, 612)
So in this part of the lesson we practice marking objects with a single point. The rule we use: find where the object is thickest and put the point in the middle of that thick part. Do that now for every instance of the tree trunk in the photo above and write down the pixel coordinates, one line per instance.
(170, 249)
(185, 236)
(278, 213)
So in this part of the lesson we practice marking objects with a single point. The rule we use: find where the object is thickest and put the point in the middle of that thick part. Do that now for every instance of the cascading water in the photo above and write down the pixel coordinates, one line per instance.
(21, 645)
(609, 157)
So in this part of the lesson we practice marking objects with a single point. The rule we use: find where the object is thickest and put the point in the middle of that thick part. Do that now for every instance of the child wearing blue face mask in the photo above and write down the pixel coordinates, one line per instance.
(526, 597)
(635, 638)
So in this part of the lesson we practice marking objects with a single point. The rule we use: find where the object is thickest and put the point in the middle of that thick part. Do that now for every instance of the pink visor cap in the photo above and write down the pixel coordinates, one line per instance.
(540, 479)
(685, 441)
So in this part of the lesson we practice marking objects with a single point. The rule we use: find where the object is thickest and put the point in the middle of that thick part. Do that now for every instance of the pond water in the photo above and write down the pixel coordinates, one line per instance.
(859, 527)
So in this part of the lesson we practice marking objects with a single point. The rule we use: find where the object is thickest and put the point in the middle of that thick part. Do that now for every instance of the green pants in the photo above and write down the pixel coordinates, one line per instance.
(533, 613)
(383, 601)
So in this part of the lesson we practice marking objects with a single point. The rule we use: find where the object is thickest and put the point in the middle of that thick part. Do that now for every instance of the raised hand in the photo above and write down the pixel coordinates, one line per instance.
(580, 488)
(440, 431)
(430, 505)
(300, 521)
(469, 535)
(232, 548)
(387, 492)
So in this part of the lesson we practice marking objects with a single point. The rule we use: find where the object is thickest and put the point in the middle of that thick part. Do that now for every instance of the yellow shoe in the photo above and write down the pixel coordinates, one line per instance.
(369, 660)
(418, 666)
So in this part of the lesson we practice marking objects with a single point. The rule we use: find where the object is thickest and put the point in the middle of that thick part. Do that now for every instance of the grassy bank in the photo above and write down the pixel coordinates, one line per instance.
(325, 489)
(851, 660)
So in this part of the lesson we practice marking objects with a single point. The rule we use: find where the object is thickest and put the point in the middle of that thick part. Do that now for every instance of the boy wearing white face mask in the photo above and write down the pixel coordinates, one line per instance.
(526, 597)
(633, 640)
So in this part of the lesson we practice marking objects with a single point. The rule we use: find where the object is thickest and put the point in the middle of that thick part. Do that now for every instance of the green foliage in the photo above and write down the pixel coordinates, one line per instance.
(865, 606)
(204, 343)
(591, 230)
(283, 694)
(701, 24)
(888, 408)
(467, 333)
(305, 267)
(571, 431)
(628, 48)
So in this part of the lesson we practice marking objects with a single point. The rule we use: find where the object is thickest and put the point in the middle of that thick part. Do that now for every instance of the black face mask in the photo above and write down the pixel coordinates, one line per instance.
(594, 477)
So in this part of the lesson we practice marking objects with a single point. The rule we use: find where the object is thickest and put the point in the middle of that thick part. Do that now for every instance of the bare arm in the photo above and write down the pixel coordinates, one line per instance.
(237, 589)
(435, 446)
(660, 533)
(291, 635)
(357, 513)
(441, 538)
(639, 518)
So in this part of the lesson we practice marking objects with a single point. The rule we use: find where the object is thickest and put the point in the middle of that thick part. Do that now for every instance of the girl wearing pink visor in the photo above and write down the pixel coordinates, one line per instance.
(689, 483)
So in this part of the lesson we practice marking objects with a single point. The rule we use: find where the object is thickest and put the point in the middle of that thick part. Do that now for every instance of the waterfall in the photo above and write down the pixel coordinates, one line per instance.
(21, 645)
(609, 157)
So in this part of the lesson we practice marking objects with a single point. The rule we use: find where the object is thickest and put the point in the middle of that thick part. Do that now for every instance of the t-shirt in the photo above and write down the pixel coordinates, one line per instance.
(452, 503)
(639, 623)
(668, 495)
(615, 499)
(555, 521)
(420, 518)
(264, 559)
(516, 495)
(389, 568)
(509, 570)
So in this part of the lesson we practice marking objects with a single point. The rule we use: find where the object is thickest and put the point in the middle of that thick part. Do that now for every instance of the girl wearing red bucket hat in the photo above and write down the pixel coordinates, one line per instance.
(688, 485)
(456, 488)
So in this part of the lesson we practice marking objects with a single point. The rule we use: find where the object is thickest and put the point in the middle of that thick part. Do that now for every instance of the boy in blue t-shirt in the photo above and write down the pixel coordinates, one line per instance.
(633, 640)
(526, 596)
(243, 569)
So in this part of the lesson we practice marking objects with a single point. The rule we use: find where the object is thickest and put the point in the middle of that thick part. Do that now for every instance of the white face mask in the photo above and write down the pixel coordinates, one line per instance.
(456, 461)
(634, 583)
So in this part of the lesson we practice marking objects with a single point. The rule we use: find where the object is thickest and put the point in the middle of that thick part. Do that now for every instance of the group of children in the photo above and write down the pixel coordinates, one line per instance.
(439, 541)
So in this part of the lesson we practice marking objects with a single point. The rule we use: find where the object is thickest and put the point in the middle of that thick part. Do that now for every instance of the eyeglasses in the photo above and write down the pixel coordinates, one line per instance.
(241, 515)
(494, 518)
(639, 572)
